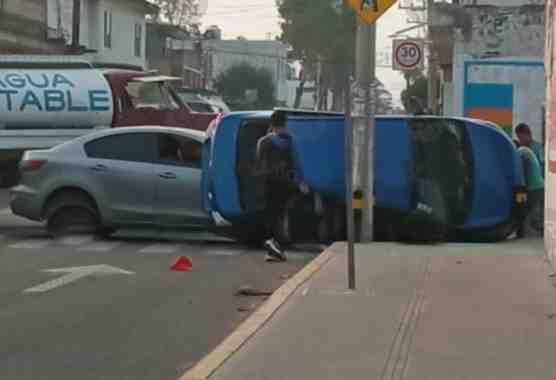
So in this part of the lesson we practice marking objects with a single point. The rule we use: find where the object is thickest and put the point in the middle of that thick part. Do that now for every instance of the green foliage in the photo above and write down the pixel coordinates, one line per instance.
(235, 84)
(417, 89)
(322, 29)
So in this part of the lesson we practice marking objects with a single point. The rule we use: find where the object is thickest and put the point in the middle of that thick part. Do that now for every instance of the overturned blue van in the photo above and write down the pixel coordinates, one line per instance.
(464, 173)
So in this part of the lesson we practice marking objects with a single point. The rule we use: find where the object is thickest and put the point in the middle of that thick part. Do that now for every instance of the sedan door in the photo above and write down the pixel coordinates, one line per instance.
(178, 200)
(121, 176)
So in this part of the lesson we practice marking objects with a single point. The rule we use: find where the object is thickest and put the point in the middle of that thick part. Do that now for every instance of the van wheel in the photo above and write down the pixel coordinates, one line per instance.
(71, 213)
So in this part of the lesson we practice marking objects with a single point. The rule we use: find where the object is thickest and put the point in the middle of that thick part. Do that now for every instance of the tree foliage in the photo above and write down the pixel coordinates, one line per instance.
(182, 13)
(241, 81)
(415, 96)
(320, 29)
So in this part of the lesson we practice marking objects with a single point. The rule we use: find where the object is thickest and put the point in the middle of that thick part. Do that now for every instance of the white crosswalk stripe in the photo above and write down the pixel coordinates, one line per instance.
(100, 247)
(223, 252)
(31, 244)
(160, 248)
(76, 240)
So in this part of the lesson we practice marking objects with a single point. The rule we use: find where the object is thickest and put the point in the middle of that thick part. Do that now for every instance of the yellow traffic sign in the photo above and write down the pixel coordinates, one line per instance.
(370, 10)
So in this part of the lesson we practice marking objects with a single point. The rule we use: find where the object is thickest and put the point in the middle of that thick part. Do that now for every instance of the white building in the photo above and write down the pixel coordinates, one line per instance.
(113, 29)
(220, 55)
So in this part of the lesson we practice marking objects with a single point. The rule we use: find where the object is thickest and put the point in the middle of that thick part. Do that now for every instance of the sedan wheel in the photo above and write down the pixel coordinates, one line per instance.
(72, 220)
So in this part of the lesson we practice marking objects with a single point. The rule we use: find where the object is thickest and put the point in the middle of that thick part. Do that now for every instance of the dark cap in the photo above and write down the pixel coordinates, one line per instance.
(278, 119)
(522, 128)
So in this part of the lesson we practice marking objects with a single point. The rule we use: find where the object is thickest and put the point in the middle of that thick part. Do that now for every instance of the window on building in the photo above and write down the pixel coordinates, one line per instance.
(107, 29)
(138, 39)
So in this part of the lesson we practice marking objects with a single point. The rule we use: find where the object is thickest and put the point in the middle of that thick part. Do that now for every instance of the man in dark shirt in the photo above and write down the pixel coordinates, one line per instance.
(276, 163)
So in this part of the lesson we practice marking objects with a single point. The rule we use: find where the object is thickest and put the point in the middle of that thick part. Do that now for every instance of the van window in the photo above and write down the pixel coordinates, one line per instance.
(151, 95)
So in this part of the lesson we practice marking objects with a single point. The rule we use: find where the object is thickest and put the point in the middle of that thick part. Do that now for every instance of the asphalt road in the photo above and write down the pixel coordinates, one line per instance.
(98, 323)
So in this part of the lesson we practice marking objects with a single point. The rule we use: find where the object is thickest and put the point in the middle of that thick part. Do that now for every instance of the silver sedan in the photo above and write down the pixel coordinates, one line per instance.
(135, 176)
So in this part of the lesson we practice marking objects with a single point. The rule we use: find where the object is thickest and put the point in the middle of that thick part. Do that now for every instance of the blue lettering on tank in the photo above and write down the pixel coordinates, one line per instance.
(2, 84)
(30, 99)
(8, 94)
(54, 100)
(45, 82)
(15, 80)
(99, 100)
(59, 80)
(73, 108)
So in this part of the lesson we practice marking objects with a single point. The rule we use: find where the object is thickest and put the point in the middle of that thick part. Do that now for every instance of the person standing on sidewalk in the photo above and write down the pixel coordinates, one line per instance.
(276, 163)
(534, 182)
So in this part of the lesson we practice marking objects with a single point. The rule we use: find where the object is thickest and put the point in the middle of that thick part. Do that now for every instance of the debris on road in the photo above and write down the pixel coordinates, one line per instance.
(285, 276)
(182, 264)
(244, 309)
(551, 315)
(459, 262)
(552, 275)
(250, 292)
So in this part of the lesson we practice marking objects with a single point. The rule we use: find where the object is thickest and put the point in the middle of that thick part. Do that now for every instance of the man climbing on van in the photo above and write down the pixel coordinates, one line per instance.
(276, 163)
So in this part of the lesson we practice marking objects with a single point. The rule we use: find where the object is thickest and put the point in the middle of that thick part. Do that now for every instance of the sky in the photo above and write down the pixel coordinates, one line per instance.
(258, 19)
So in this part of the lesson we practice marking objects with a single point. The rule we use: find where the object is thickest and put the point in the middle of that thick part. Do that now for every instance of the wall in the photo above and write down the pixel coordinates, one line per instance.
(506, 31)
(506, 91)
(125, 14)
(271, 55)
(550, 175)
(508, 3)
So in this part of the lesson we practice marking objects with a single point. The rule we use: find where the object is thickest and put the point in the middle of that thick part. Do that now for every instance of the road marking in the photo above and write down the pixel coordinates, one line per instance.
(74, 274)
(76, 240)
(31, 244)
(100, 247)
(5, 211)
(160, 248)
(222, 252)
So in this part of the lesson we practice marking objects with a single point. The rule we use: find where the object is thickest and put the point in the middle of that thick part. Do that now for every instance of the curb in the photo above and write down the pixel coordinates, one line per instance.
(214, 360)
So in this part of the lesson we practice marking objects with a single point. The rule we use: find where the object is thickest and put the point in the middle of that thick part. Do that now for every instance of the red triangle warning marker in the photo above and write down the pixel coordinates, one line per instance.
(182, 264)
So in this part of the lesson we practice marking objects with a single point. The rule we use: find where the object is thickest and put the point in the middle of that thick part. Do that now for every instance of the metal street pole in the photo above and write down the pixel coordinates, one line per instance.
(348, 135)
(363, 133)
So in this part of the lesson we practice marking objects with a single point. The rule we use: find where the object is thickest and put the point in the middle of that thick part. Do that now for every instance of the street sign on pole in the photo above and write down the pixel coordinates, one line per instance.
(370, 10)
(408, 54)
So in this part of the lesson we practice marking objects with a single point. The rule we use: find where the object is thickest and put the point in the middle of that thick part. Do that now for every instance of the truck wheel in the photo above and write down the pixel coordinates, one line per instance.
(71, 213)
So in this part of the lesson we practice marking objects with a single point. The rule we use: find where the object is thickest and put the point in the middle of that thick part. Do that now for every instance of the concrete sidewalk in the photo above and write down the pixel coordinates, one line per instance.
(419, 312)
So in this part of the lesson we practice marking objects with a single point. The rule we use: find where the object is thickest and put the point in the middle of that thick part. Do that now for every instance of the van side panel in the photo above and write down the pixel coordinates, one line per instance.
(495, 176)
(393, 164)
(320, 150)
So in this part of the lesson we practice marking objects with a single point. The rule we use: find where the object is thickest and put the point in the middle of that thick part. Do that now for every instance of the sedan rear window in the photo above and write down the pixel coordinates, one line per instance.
(135, 147)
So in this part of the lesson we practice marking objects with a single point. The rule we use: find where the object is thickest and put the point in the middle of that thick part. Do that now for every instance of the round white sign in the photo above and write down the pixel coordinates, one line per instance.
(408, 55)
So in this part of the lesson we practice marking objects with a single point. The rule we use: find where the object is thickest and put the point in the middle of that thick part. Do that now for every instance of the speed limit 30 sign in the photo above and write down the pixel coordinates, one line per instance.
(408, 55)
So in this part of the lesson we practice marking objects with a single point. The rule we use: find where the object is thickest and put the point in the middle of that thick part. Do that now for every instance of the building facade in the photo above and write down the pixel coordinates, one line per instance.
(220, 55)
(111, 32)
(174, 51)
(24, 28)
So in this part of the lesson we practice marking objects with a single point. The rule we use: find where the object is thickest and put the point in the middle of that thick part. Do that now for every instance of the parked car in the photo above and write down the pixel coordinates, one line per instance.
(130, 176)
(435, 177)
(202, 101)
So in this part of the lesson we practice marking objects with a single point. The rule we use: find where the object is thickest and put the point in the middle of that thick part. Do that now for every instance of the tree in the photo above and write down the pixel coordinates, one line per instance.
(415, 96)
(182, 13)
(246, 87)
(321, 30)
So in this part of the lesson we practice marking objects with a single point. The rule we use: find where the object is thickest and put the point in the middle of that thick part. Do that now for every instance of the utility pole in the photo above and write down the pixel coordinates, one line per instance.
(363, 132)
(431, 62)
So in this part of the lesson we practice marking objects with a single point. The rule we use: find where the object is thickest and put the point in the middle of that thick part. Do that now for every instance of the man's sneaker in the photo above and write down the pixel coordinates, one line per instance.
(275, 252)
